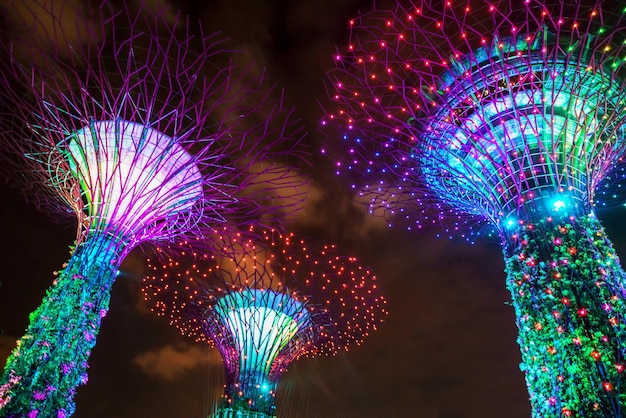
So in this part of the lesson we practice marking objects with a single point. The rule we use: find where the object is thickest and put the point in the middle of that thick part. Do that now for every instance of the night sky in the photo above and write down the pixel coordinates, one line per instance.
(446, 350)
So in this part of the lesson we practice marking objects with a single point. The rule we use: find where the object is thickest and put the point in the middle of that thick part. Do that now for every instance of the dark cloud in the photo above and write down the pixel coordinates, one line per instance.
(169, 362)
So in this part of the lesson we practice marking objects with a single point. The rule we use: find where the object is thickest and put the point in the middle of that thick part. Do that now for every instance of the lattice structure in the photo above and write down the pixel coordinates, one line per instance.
(511, 113)
(263, 306)
(142, 140)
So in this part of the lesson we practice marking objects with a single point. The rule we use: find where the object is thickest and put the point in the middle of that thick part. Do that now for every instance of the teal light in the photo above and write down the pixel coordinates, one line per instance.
(558, 204)
(63, 331)
(529, 151)
(567, 290)
(258, 325)
(510, 223)
(259, 333)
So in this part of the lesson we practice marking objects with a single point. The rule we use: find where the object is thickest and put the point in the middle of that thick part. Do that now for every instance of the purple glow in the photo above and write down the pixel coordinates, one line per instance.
(132, 175)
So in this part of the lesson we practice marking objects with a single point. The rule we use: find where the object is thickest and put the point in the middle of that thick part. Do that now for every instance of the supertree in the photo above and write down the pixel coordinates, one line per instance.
(509, 114)
(144, 141)
(263, 306)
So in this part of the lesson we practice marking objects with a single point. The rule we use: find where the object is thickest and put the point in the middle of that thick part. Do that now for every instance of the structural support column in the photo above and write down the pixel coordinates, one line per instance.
(568, 292)
(50, 360)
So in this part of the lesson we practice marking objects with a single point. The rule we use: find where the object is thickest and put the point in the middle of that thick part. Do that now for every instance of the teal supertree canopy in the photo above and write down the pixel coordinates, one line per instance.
(143, 141)
(511, 114)
(264, 305)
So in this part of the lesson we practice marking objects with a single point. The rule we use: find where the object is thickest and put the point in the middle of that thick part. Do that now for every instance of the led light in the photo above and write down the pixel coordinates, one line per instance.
(558, 204)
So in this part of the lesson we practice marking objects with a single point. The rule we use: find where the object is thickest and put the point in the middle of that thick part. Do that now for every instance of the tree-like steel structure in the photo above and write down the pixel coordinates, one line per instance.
(142, 140)
(264, 305)
(512, 113)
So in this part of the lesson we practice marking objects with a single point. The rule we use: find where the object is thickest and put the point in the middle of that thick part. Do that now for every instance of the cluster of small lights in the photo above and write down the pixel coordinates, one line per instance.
(264, 302)
(410, 111)
(510, 115)
(335, 288)
(570, 313)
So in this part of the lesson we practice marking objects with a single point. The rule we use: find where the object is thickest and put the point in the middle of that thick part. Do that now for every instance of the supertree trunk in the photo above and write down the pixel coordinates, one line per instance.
(245, 397)
(51, 358)
(568, 292)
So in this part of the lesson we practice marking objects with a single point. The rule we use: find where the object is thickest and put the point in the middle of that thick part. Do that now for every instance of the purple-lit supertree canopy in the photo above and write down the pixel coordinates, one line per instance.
(264, 305)
(510, 112)
(143, 141)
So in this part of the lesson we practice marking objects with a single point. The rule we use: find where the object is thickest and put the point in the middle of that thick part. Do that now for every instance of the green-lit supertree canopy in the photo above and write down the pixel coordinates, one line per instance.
(509, 113)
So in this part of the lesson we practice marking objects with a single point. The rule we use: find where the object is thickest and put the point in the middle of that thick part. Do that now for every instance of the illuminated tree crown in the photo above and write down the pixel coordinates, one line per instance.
(480, 112)
(510, 113)
(263, 306)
